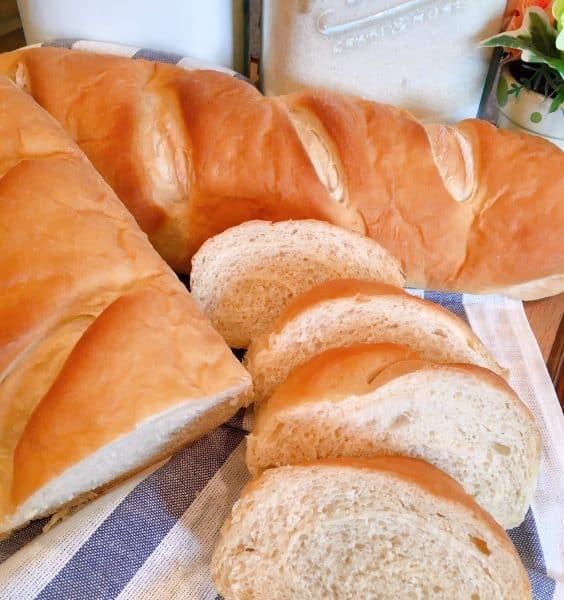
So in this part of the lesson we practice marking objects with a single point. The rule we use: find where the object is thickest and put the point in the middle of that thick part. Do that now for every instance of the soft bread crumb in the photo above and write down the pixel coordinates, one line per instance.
(244, 277)
(461, 418)
(341, 530)
(352, 318)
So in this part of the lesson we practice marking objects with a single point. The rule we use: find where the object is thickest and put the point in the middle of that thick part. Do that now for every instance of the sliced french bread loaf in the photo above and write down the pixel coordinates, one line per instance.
(369, 400)
(106, 363)
(344, 312)
(244, 277)
(94, 427)
(388, 527)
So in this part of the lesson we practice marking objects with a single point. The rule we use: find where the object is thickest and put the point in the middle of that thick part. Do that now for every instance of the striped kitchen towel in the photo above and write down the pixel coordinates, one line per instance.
(152, 536)
(185, 62)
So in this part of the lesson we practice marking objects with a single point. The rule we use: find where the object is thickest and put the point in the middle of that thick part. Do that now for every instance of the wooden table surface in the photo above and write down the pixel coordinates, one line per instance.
(545, 316)
(546, 319)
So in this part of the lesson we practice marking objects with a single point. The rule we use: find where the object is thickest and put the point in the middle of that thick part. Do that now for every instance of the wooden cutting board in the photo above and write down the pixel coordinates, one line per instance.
(547, 322)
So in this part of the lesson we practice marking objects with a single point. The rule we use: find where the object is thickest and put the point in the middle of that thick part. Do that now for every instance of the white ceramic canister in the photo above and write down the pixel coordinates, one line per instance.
(211, 30)
(423, 55)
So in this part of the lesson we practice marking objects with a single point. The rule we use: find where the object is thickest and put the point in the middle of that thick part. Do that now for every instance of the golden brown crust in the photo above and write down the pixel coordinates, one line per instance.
(518, 224)
(40, 276)
(331, 290)
(507, 232)
(387, 160)
(256, 167)
(355, 370)
(98, 103)
(231, 154)
(469, 208)
(356, 288)
(333, 374)
(153, 326)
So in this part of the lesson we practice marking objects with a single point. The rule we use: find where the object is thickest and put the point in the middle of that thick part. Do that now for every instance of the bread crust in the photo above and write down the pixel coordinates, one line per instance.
(332, 290)
(333, 374)
(362, 368)
(138, 329)
(189, 153)
(411, 470)
(460, 207)
(467, 208)
(359, 291)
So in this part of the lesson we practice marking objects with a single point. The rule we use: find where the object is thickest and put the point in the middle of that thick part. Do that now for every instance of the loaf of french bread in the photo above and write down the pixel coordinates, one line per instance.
(106, 364)
(466, 208)
(189, 153)
(387, 527)
(371, 400)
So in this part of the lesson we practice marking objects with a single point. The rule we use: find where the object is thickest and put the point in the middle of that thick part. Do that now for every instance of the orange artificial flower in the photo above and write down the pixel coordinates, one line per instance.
(516, 9)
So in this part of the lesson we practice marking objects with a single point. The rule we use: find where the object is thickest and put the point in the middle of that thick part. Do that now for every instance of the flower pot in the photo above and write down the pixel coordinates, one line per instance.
(528, 112)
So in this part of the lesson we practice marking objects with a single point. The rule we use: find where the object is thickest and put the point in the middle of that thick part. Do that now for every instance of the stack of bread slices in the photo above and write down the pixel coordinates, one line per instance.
(388, 453)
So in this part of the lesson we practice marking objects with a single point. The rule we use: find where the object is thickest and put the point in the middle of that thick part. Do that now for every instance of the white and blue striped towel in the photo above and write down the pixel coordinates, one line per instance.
(152, 536)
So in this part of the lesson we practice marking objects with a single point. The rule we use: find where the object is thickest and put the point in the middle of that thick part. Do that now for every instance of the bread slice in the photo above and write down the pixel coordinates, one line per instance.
(369, 400)
(244, 277)
(388, 527)
(345, 312)
(147, 377)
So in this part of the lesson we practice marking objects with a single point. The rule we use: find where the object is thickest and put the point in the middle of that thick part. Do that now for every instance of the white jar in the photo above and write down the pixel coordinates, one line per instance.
(211, 30)
(422, 55)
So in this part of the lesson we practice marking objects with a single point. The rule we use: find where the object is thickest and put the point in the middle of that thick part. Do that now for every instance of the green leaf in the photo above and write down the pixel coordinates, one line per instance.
(536, 38)
(501, 93)
(558, 12)
(543, 35)
(557, 102)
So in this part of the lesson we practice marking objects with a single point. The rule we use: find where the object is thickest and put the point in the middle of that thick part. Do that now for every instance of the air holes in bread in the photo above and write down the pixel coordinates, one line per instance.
(502, 449)
(401, 421)
(481, 545)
